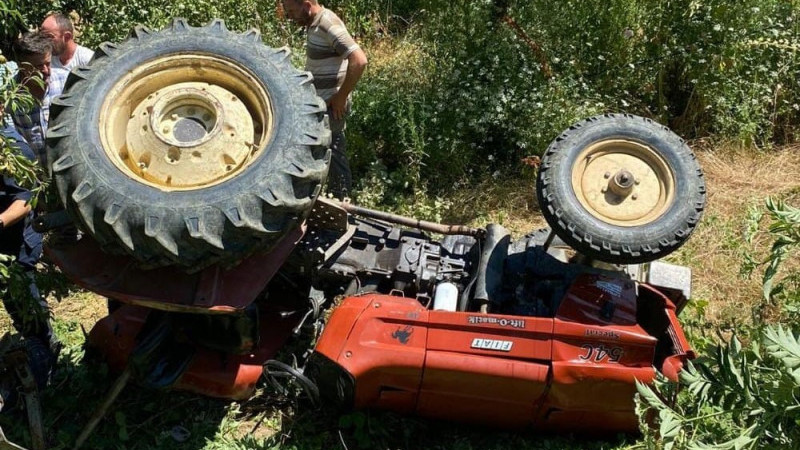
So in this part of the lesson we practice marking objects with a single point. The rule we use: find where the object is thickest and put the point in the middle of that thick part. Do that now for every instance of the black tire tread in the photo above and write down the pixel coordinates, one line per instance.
(221, 231)
(582, 234)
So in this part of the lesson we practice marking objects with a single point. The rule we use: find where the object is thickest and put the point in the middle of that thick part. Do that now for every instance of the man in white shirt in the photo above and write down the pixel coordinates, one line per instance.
(66, 52)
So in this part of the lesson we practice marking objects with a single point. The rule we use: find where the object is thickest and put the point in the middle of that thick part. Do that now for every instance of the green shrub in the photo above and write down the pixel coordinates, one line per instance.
(781, 284)
(711, 68)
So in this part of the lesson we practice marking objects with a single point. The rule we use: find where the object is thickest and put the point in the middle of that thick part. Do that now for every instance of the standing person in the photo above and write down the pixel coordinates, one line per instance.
(28, 310)
(337, 63)
(33, 52)
(66, 52)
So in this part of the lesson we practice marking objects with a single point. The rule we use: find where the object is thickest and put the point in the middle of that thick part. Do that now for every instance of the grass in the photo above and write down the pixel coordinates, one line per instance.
(737, 180)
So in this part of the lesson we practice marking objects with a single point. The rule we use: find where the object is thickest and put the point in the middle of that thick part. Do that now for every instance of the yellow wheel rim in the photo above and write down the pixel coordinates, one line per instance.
(185, 122)
(623, 183)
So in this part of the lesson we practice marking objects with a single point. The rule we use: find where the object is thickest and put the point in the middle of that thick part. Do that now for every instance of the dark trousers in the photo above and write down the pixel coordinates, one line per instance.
(340, 180)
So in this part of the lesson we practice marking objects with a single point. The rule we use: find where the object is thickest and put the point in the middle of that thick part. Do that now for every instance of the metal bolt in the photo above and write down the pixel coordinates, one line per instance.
(348, 354)
(376, 305)
(174, 117)
(604, 190)
(607, 175)
(638, 182)
(165, 130)
(635, 197)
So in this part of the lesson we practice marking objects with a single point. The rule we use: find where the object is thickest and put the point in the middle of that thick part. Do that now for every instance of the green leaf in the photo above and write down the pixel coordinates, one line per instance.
(346, 421)
(650, 397)
(119, 418)
(670, 424)
(783, 345)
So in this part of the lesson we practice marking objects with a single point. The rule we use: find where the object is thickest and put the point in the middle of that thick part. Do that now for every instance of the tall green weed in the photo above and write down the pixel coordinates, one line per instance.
(739, 396)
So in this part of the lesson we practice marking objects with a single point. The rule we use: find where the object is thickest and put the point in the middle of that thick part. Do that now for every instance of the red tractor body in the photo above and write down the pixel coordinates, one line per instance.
(576, 371)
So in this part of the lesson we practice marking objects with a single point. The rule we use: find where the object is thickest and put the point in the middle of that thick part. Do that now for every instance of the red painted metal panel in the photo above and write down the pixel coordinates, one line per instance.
(484, 364)
(599, 300)
(211, 373)
(507, 371)
(481, 389)
(457, 331)
(213, 290)
(339, 326)
(385, 351)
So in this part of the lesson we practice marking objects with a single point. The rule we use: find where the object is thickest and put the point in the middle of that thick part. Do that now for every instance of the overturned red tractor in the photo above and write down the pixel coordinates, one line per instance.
(192, 159)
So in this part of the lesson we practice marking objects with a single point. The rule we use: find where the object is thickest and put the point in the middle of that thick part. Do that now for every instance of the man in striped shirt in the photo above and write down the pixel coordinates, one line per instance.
(337, 63)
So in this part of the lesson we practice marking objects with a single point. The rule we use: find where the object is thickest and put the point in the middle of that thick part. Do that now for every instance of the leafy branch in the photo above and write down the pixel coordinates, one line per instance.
(739, 397)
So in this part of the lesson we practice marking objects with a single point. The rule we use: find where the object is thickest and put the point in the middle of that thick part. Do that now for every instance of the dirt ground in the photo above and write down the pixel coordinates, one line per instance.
(738, 182)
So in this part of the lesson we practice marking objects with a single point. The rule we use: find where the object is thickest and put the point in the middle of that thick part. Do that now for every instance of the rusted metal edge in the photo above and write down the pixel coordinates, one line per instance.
(409, 221)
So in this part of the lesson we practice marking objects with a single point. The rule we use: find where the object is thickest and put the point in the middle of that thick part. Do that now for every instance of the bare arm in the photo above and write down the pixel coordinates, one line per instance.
(356, 63)
(16, 212)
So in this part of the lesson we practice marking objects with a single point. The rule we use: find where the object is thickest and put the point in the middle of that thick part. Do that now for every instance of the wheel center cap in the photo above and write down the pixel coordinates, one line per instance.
(622, 183)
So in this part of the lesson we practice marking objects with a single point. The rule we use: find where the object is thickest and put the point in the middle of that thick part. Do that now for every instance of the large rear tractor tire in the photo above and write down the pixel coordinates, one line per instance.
(621, 189)
(189, 146)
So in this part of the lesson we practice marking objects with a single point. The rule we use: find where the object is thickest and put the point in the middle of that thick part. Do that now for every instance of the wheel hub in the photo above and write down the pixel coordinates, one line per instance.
(185, 122)
(623, 183)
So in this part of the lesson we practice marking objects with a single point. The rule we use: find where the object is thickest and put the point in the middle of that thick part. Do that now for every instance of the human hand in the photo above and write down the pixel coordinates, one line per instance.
(338, 106)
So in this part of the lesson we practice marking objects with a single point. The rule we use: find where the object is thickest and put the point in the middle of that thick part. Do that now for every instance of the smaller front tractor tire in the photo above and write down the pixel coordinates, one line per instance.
(621, 189)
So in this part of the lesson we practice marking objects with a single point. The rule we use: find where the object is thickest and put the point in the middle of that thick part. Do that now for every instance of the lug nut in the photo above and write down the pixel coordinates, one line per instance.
(607, 175)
